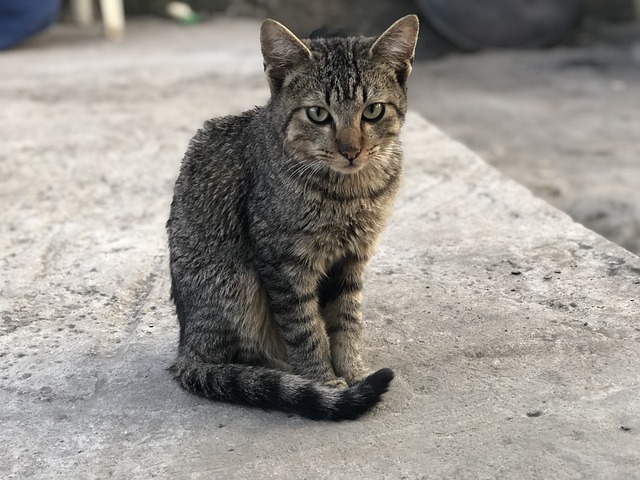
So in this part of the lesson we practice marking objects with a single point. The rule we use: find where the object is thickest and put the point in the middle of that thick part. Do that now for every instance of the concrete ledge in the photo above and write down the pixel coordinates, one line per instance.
(512, 330)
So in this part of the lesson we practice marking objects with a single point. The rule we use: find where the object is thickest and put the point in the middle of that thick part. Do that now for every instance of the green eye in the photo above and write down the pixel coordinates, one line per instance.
(373, 112)
(318, 115)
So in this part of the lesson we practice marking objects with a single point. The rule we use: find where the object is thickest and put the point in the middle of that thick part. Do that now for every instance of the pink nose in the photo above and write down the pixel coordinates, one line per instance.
(350, 152)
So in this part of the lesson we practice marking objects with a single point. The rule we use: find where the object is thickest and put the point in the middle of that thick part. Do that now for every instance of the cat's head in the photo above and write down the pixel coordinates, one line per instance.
(339, 101)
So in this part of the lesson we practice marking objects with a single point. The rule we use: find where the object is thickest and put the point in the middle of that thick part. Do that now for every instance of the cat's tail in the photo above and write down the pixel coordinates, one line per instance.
(277, 390)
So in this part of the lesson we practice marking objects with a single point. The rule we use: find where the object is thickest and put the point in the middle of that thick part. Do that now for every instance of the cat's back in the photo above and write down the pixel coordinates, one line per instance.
(219, 146)
(213, 181)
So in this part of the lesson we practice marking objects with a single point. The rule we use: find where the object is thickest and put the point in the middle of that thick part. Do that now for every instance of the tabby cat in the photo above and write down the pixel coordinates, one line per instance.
(275, 215)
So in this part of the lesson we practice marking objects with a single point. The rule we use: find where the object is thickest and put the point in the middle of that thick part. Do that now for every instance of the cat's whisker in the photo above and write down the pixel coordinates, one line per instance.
(315, 167)
(297, 167)
(300, 173)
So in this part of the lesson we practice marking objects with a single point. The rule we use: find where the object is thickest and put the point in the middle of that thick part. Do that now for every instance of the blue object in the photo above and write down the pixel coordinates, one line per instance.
(19, 19)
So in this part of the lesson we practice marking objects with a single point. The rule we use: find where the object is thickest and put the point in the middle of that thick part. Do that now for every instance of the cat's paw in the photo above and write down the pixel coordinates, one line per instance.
(355, 377)
(336, 383)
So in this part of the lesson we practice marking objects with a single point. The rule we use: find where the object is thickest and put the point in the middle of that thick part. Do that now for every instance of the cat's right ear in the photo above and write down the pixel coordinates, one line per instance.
(282, 51)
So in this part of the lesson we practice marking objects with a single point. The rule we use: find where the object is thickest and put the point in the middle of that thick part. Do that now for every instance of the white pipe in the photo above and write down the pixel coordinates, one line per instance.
(113, 18)
(82, 11)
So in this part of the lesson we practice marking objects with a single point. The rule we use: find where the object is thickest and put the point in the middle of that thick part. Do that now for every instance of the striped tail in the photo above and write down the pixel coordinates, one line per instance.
(276, 390)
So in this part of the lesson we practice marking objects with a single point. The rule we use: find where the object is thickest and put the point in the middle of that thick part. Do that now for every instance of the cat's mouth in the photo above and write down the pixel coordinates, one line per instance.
(349, 168)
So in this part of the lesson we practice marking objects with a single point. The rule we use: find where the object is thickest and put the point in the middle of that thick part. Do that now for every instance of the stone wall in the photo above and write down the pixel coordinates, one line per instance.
(303, 17)
(366, 14)
(612, 10)
(359, 16)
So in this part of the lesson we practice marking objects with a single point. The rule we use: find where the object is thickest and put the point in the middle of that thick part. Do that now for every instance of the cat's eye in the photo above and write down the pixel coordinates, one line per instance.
(373, 112)
(318, 115)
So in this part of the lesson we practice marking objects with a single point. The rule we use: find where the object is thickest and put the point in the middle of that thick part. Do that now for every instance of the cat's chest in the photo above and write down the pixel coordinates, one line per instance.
(343, 222)
(341, 228)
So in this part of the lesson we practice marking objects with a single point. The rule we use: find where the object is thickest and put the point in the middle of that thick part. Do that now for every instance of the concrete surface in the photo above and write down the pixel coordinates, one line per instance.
(563, 122)
(513, 331)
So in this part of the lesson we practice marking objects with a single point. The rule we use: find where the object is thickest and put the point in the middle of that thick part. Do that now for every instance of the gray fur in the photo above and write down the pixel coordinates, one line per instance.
(273, 221)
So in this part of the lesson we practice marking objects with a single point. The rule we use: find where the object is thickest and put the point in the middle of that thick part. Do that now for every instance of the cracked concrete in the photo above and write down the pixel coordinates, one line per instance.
(513, 331)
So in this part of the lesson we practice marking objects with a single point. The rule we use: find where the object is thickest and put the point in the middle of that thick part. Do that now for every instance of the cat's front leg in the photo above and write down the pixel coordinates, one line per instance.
(340, 296)
(294, 306)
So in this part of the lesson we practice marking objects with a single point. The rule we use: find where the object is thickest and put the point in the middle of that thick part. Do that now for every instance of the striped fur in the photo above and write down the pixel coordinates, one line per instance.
(273, 221)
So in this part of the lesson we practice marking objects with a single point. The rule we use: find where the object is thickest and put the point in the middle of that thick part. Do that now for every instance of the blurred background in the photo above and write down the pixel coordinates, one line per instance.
(547, 91)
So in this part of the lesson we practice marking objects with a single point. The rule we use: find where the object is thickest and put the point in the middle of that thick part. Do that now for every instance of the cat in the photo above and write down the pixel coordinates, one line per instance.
(274, 217)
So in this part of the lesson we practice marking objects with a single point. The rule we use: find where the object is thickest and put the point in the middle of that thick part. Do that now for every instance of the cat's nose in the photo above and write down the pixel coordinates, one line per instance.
(350, 152)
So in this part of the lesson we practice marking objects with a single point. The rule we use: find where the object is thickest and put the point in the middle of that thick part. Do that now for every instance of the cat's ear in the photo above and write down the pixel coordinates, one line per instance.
(397, 46)
(282, 51)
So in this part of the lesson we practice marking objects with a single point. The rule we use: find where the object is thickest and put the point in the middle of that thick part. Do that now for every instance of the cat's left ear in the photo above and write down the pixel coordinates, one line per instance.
(397, 46)
(282, 51)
